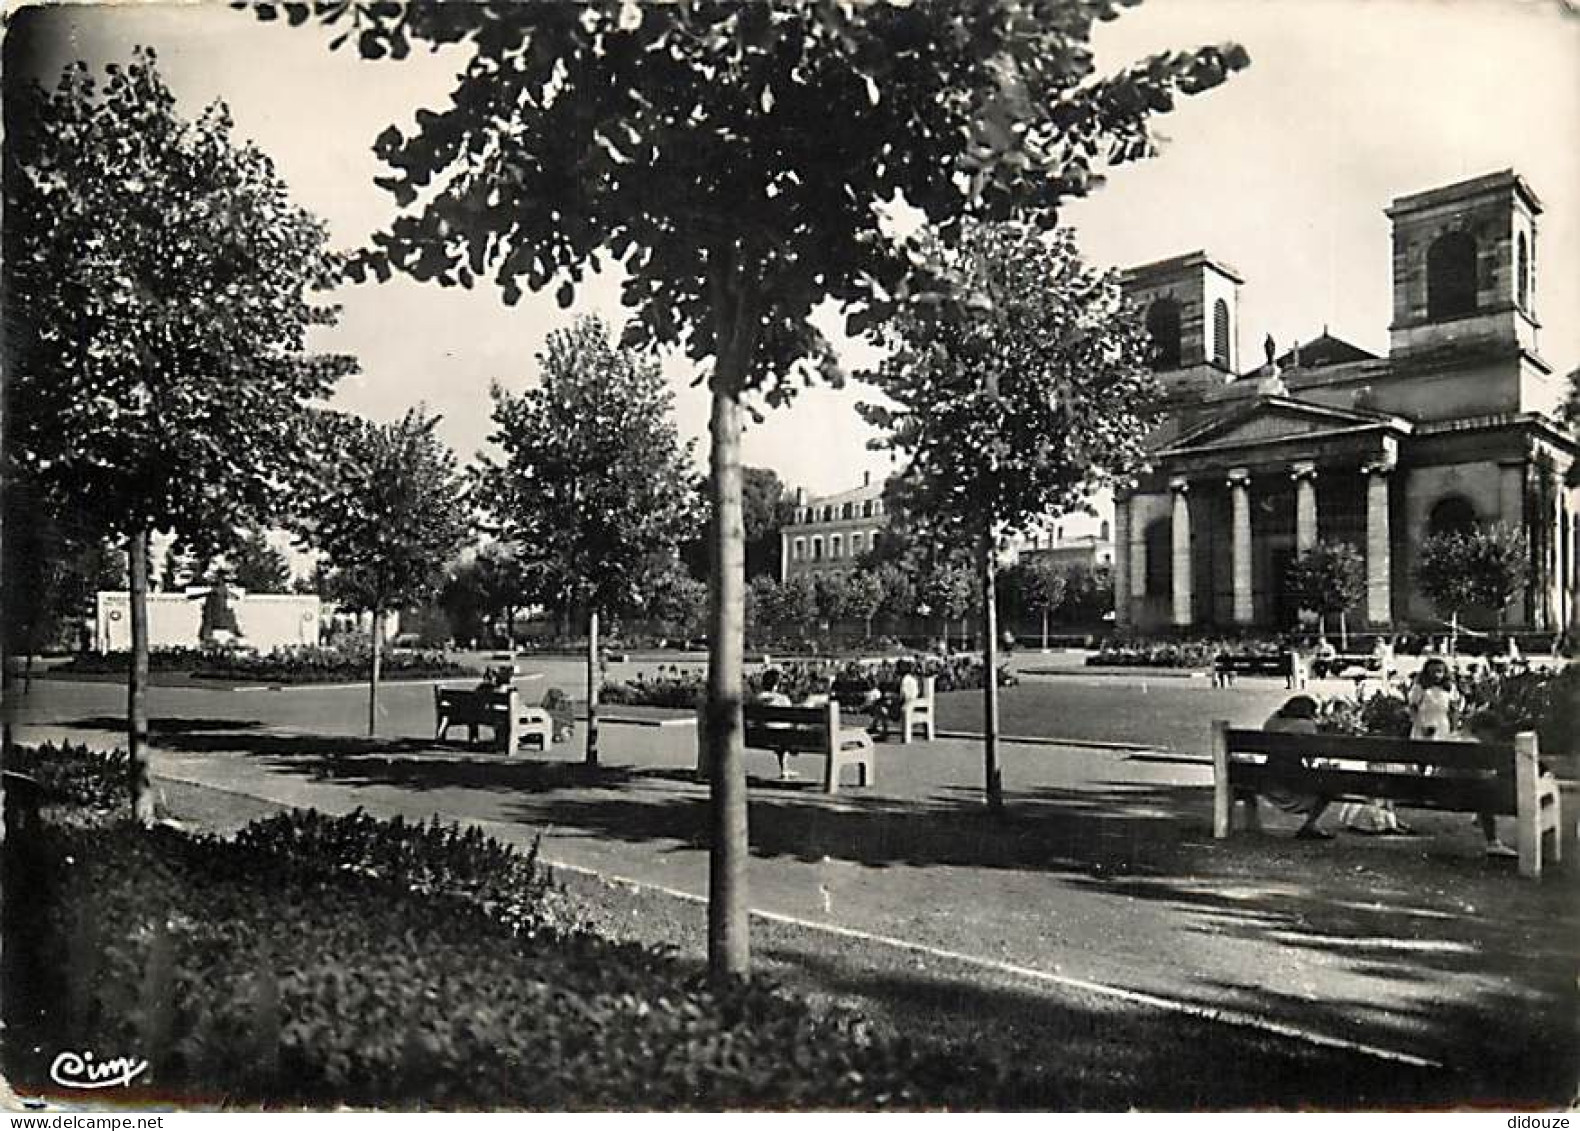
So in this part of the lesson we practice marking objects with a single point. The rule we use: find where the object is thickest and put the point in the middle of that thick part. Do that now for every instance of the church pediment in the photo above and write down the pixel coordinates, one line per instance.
(1273, 418)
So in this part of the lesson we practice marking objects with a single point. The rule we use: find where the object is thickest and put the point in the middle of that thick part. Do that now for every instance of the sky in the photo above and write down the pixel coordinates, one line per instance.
(1284, 172)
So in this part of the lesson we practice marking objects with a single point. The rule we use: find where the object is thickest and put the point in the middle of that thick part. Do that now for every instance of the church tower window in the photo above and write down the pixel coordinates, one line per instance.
(1522, 273)
(1451, 276)
(1220, 334)
(1163, 324)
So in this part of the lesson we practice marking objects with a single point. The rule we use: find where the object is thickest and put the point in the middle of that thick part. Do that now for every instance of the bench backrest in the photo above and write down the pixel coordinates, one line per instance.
(463, 702)
(791, 728)
(1451, 775)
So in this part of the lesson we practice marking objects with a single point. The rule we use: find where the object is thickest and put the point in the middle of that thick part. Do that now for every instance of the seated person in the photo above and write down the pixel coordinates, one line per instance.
(891, 707)
(769, 695)
(1297, 716)
(820, 691)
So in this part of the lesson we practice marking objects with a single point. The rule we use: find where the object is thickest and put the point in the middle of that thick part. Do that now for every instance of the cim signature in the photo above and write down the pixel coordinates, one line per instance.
(79, 1070)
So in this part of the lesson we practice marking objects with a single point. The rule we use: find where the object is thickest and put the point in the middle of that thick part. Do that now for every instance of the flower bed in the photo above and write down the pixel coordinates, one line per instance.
(683, 689)
(326, 665)
(1160, 654)
(317, 961)
(119, 663)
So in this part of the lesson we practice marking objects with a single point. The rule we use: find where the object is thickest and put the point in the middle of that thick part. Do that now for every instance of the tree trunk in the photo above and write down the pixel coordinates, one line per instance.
(993, 776)
(1045, 628)
(1453, 633)
(1344, 631)
(729, 947)
(137, 681)
(377, 635)
(592, 687)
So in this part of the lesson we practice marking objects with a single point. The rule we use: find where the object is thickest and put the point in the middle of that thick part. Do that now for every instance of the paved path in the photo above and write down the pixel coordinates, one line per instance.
(1106, 871)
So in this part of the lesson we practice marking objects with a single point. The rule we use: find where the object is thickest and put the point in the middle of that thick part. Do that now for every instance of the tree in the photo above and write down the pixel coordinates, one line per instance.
(676, 600)
(863, 598)
(159, 287)
(689, 144)
(944, 590)
(51, 571)
(594, 484)
(1460, 570)
(829, 593)
(1329, 578)
(899, 592)
(388, 511)
(1088, 592)
(1043, 583)
(257, 566)
(1020, 385)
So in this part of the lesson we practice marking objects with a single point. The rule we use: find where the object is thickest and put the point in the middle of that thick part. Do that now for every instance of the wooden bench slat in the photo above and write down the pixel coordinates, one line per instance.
(1367, 748)
(1420, 791)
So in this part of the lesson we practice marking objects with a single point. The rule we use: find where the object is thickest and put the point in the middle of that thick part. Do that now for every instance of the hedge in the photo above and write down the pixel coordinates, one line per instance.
(320, 961)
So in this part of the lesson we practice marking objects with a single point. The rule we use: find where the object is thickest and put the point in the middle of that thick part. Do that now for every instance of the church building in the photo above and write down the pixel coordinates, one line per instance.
(1455, 428)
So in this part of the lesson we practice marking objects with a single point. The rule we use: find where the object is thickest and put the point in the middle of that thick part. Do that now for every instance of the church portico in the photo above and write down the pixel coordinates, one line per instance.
(1455, 430)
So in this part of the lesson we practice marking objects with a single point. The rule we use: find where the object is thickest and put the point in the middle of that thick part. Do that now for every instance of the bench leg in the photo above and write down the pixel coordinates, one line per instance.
(831, 775)
(1222, 795)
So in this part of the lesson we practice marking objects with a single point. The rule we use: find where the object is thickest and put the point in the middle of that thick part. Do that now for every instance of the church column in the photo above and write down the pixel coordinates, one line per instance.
(1121, 561)
(1240, 500)
(1379, 547)
(1137, 549)
(1304, 474)
(1511, 513)
(1180, 488)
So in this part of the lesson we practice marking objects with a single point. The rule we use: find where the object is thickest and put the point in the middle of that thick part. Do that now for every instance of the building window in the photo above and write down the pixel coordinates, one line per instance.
(1451, 276)
(855, 544)
(1220, 333)
(817, 549)
(1102, 531)
(799, 553)
(834, 546)
(872, 540)
(1163, 324)
(866, 509)
(1522, 273)
(1058, 533)
(1452, 514)
(846, 512)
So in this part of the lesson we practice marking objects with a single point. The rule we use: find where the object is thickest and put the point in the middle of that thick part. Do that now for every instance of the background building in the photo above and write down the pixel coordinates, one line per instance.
(831, 533)
(1456, 427)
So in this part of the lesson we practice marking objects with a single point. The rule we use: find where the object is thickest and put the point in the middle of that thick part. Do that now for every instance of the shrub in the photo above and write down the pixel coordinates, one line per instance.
(75, 774)
(299, 965)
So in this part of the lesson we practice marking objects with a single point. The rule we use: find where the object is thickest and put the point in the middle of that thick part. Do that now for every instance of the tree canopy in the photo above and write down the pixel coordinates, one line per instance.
(1329, 578)
(1020, 385)
(593, 483)
(388, 512)
(162, 287)
(1470, 569)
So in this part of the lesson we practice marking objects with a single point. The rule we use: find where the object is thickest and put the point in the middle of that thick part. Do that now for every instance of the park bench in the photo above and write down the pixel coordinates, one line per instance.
(1463, 777)
(919, 712)
(802, 730)
(499, 710)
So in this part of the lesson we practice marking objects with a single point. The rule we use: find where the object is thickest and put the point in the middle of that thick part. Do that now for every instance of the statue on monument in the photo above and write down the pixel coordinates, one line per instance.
(1272, 380)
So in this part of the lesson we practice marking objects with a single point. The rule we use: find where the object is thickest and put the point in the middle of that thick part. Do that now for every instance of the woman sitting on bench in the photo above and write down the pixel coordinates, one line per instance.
(1297, 716)
(771, 696)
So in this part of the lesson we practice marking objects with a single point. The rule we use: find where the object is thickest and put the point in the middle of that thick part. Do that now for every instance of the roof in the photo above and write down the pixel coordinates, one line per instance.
(1322, 351)
(1504, 179)
(1175, 264)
